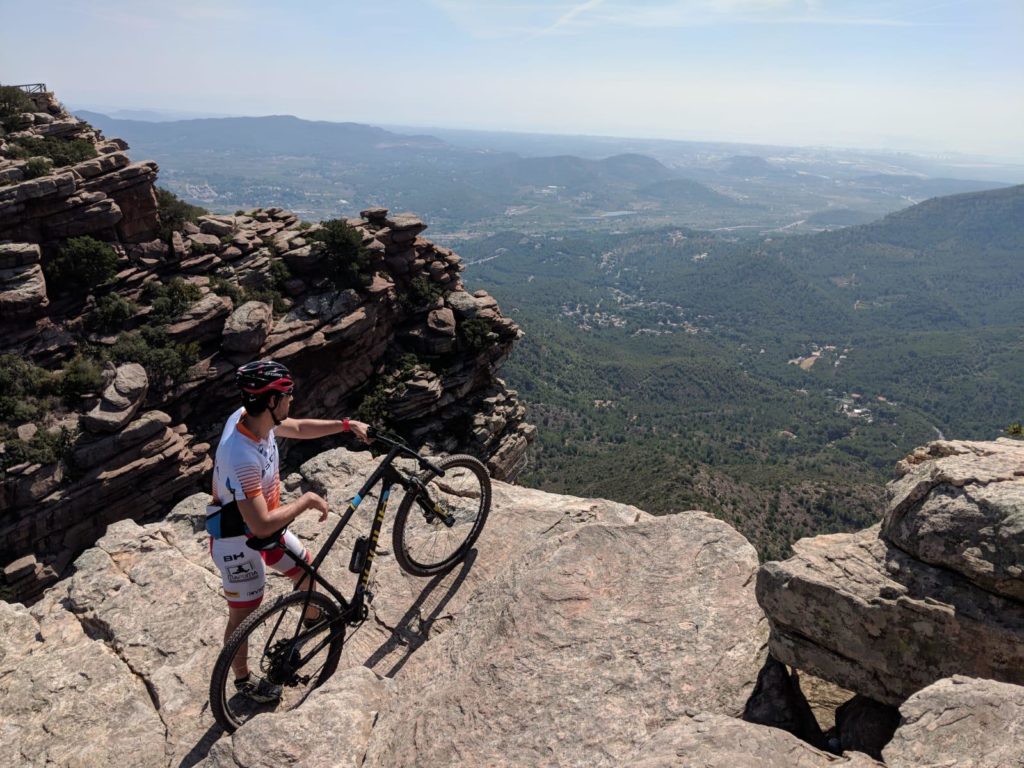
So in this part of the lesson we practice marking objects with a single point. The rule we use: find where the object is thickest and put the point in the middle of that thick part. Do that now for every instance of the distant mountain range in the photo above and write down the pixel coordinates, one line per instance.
(464, 187)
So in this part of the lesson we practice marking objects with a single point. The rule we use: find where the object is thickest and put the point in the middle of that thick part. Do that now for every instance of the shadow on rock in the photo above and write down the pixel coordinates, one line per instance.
(415, 627)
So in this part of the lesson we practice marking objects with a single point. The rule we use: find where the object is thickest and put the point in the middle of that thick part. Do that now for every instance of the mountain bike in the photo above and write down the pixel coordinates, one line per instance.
(295, 641)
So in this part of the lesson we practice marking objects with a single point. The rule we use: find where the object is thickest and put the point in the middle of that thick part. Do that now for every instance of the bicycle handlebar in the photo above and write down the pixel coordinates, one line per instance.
(378, 435)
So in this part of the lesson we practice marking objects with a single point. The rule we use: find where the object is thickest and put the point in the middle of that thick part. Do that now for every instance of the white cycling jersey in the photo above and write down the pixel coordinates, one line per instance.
(245, 466)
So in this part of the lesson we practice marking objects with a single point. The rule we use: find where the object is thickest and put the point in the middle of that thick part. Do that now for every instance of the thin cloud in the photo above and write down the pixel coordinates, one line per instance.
(567, 17)
(534, 19)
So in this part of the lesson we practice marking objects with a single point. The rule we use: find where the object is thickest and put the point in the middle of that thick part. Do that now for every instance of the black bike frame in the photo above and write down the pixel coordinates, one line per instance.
(352, 611)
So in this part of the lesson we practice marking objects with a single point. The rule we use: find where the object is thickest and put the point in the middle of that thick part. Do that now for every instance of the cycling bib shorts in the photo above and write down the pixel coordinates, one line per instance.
(242, 570)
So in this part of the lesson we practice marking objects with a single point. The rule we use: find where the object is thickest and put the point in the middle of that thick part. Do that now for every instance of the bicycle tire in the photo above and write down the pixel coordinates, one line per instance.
(272, 623)
(423, 544)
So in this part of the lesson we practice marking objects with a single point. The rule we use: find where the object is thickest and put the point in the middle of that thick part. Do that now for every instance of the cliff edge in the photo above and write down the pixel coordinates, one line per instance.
(125, 313)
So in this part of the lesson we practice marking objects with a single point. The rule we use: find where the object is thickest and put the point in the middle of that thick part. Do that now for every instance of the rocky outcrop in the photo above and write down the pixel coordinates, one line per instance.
(960, 505)
(247, 328)
(134, 473)
(579, 632)
(22, 286)
(860, 610)
(120, 400)
(108, 196)
(960, 721)
(596, 645)
(405, 341)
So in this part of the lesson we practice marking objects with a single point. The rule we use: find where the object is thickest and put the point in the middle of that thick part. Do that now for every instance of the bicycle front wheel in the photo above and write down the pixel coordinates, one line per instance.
(436, 526)
(291, 656)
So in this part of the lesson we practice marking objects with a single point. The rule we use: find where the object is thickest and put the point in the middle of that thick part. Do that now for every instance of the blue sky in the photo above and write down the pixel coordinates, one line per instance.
(901, 74)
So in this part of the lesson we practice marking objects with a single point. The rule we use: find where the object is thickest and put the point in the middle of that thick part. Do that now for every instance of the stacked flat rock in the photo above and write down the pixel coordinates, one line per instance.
(107, 196)
(932, 592)
(120, 400)
(340, 343)
(22, 286)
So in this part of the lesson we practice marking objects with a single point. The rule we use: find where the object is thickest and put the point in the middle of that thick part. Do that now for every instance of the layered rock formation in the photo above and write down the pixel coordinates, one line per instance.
(406, 339)
(932, 592)
(579, 632)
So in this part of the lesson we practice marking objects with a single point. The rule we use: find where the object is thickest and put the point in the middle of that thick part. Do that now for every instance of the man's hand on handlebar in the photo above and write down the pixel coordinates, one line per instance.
(360, 430)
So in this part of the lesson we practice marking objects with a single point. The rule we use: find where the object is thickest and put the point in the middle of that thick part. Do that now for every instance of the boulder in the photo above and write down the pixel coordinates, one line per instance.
(91, 452)
(202, 243)
(960, 505)
(104, 163)
(120, 400)
(858, 611)
(332, 728)
(711, 740)
(963, 722)
(583, 648)
(248, 327)
(220, 226)
(441, 321)
(22, 292)
(59, 185)
(203, 320)
(19, 255)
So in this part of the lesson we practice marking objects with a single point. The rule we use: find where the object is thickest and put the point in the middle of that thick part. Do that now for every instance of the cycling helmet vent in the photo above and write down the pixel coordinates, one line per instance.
(264, 377)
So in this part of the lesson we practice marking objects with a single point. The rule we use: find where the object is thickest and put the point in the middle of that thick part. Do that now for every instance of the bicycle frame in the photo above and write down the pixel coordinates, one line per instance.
(353, 611)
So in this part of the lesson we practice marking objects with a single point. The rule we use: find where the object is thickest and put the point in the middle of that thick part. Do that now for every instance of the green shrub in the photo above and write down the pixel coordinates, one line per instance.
(421, 292)
(174, 212)
(82, 263)
(62, 152)
(279, 273)
(166, 362)
(111, 313)
(373, 409)
(80, 376)
(25, 389)
(224, 287)
(476, 333)
(13, 102)
(36, 167)
(171, 299)
(347, 263)
(1015, 430)
(44, 448)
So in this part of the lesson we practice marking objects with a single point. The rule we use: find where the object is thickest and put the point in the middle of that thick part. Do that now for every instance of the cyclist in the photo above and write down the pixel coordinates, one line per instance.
(247, 499)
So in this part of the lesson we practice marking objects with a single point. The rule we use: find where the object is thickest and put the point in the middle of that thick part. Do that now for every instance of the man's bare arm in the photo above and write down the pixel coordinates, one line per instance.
(309, 429)
(263, 521)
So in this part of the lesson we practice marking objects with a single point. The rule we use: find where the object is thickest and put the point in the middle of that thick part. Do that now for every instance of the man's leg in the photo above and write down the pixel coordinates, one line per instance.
(283, 562)
(243, 578)
(236, 615)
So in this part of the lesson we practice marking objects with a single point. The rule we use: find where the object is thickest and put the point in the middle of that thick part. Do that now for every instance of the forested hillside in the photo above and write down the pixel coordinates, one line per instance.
(772, 381)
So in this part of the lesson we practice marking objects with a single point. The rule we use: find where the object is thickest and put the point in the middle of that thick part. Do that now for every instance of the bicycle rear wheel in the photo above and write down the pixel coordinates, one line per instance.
(281, 650)
(436, 526)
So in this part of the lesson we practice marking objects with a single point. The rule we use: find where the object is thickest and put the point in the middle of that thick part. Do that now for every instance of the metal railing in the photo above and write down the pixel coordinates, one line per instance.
(32, 87)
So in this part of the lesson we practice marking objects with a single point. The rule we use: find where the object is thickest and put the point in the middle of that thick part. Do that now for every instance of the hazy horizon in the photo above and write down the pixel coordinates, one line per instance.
(910, 75)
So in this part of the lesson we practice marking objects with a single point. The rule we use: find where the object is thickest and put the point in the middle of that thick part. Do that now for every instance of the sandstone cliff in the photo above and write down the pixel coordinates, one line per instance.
(405, 342)
(579, 632)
